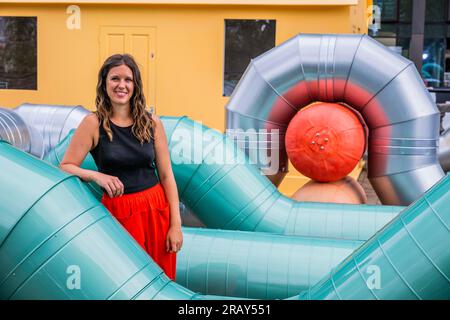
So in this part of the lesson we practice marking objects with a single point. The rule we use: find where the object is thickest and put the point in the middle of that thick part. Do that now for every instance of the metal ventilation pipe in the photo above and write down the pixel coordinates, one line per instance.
(14, 130)
(52, 122)
(354, 69)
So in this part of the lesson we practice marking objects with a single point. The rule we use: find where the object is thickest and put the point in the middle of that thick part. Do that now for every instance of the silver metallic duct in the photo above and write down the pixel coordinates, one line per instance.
(14, 130)
(52, 122)
(444, 144)
(357, 70)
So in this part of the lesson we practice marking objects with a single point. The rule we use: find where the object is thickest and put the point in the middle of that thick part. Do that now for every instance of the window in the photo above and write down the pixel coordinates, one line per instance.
(18, 53)
(395, 31)
(244, 40)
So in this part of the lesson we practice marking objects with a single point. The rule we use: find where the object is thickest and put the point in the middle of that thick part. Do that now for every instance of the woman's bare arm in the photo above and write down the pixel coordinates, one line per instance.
(83, 140)
(167, 179)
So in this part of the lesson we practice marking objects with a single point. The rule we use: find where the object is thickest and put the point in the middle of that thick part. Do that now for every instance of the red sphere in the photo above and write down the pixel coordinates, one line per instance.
(325, 141)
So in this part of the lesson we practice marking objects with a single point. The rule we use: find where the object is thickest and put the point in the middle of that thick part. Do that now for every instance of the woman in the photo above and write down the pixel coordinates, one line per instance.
(130, 149)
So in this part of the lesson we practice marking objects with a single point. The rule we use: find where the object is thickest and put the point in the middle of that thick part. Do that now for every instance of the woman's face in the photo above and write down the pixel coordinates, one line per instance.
(120, 85)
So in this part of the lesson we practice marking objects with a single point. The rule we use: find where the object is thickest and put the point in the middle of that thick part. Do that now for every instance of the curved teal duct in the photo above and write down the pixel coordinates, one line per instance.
(52, 225)
(216, 181)
(255, 265)
(408, 259)
(58, 242)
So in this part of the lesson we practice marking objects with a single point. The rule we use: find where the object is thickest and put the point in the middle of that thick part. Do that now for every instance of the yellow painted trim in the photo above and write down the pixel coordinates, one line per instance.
(196, 2)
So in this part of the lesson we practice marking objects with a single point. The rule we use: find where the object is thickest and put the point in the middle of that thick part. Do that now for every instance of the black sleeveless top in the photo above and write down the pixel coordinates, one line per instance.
(126, 159)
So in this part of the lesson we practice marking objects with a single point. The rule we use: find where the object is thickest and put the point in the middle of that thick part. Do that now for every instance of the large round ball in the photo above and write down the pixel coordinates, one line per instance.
(325, 141)
(346, 190)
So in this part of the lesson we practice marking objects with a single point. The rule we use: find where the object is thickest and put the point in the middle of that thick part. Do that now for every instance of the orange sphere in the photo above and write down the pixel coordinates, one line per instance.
(346, 190)
(325, 141)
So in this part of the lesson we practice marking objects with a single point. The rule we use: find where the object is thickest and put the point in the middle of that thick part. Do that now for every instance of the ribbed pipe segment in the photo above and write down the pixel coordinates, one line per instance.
(14, 130)
(52, 229)
(354, 69)
(408, 259)
(217, 182)
(232, 194)
(255, 265)
(51, 122)
(53, 215)
(51, 225)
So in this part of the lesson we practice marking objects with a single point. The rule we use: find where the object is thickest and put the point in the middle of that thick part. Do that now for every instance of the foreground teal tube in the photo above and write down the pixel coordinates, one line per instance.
(52, 230)
(254, 264)
(52, 226)
(216, 262)
(217, 183)
(58, 242)
(407, 259)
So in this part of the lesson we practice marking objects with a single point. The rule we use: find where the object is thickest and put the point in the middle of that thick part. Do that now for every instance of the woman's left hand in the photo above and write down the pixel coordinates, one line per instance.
(174, 239)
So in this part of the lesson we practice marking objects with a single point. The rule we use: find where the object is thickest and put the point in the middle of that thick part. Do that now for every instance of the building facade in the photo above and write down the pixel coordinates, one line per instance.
(191, 53)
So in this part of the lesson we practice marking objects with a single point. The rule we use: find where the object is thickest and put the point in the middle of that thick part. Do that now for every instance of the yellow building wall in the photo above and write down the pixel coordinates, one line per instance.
(189, 53)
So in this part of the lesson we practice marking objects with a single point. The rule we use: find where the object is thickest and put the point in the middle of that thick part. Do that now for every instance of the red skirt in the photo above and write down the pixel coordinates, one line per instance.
(146, 216)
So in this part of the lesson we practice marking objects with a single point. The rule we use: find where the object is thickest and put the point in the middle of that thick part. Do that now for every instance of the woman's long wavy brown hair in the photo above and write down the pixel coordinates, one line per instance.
(142, 120)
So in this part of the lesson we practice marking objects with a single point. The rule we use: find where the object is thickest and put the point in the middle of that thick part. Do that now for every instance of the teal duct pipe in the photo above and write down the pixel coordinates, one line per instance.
(62, 220)
(255, 265)
(223, 268)
(58, 242)
(408, 259)
(216, 182)
(41, 240)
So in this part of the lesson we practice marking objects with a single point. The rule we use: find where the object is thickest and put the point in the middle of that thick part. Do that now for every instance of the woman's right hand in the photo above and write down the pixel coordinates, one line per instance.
(112, 185)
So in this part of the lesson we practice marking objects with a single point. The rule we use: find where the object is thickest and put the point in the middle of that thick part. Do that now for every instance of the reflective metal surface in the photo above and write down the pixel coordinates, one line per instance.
(14, 130)
(216, 181)
(255, 265)
(355, 69)
(52, 122)
(407, 259)
(444, 144)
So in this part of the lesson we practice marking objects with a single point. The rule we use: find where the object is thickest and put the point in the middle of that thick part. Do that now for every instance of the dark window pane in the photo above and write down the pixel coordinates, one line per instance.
(404, 43)
(388, 9)
(405, 10)
(404, 31)
(388, 30)
(244, 40)
(18, 53)
(435, 31)
(434, 61)
(436, 11)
